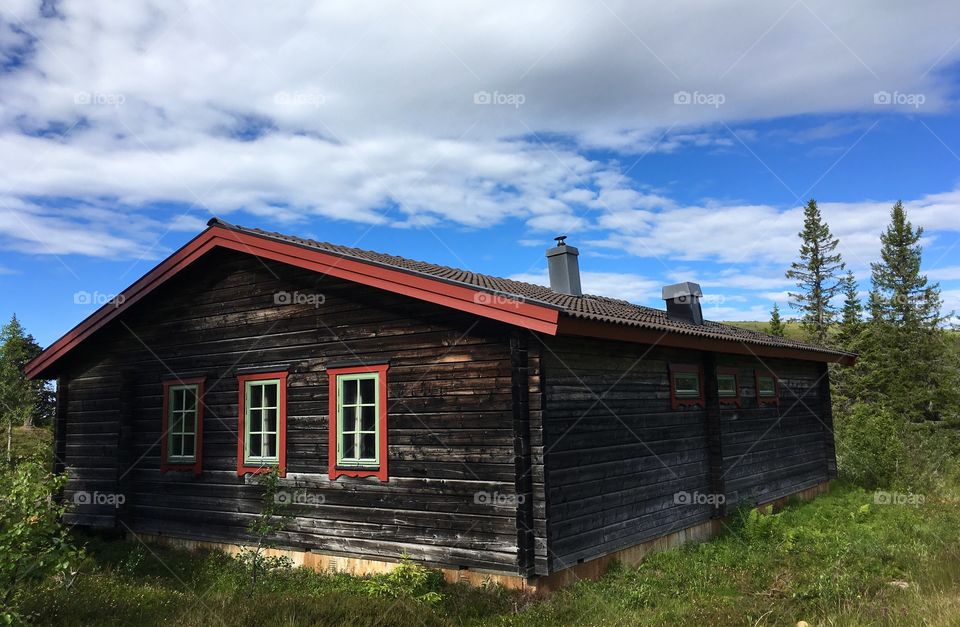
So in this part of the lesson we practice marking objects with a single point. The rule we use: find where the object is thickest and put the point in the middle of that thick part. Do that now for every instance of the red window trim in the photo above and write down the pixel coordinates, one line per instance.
(730, 400)
(774, 400)
(242, 380)
(197, 465)
(678, 402)
(335, 471)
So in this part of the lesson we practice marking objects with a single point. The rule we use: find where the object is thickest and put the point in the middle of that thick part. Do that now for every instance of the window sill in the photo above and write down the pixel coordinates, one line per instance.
(380, 472)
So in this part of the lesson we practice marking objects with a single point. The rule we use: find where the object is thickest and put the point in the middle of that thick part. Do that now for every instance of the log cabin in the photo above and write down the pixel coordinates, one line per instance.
(494, 429)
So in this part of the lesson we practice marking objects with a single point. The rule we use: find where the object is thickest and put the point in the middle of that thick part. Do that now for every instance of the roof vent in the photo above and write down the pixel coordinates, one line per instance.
(564, 268)
(683, 302)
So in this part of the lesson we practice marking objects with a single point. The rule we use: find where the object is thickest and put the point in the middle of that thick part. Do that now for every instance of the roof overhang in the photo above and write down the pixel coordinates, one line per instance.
(535, 316)
(676, 339)
(510, 309)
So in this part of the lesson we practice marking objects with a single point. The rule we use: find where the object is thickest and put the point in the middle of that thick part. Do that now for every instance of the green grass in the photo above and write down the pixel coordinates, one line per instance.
(792, 329)
(829, 562)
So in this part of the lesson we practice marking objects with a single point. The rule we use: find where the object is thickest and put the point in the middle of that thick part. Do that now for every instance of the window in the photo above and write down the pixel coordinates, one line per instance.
(181, 444)
(728, 386)
(768, 389)
(358, 421)
(262, 423)
(685, 387)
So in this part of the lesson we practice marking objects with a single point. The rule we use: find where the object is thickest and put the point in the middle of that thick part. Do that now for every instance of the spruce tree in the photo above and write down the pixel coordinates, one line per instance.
(815, 274)
(905, 357)
(21, 401)
(851, 316)
(776, 324)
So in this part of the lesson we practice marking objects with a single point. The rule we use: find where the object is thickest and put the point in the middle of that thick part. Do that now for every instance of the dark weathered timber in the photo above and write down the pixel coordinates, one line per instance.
(714, 437)
(520, 384)
(452, 424)
(826, 417)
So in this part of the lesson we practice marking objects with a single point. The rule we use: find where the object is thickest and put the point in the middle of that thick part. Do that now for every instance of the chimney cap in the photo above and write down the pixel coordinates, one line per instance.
(560, 240)
(679, 290)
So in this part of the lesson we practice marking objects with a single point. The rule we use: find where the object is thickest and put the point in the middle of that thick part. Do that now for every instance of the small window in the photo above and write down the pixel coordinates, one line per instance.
(685, 385)
(182, 443)
(767, 389)
(262, 420)
(728, 386)
(358, 421)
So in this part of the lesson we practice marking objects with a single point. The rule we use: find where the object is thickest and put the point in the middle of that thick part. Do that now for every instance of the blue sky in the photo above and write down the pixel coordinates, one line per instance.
(670, 142)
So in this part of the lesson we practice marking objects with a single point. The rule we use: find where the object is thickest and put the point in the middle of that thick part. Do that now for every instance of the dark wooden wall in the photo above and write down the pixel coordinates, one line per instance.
(454, 430)
(617, 455)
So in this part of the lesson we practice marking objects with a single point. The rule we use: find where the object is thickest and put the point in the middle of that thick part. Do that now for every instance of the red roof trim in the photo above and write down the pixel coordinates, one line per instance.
(520, 313)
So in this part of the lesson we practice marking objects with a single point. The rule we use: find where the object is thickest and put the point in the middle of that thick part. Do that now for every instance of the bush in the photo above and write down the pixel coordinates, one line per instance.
(408, 580)
(870, 446)
(34, 544)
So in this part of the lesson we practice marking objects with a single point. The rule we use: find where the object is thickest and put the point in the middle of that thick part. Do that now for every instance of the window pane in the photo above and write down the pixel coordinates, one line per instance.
(348, 448)
(270, 395)
(270, 446)
(256, 420)
(368, 391)
(176, 446)
(368, 443)
(727, 384)
(190, 399)
(176, 426)
(687, 384)
(176, 399)
(349, 419)
(270, 420)
(350, 392)
(368, 418)
(256, 444)
(188, 445)
(189, 422)
(767, 387)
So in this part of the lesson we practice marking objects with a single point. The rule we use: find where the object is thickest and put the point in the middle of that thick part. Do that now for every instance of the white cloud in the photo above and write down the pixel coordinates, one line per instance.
(624, 285)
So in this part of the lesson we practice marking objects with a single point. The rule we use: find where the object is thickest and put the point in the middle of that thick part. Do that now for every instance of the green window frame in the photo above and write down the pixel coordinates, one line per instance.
(358, 420)
(182, 404)
(766, 386)
(262, 422)
(727, 385)
(686, 384)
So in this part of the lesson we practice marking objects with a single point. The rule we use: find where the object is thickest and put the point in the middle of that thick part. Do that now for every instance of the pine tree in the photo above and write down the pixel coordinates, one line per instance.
(776, 324)
(905, 356)
(816, 275)
(851, 316)
(21, 401)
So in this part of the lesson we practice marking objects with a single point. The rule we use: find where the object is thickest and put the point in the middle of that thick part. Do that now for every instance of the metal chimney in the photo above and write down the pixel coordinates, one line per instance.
(564, 268)
(683, 302)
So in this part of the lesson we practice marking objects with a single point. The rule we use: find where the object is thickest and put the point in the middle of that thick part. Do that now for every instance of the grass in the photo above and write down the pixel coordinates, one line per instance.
(792, 329)
(28, 443)
(829, 562)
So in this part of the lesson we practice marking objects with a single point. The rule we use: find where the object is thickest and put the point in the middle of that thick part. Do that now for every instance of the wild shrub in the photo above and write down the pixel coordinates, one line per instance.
(408, 580)
(34, 544)
(870, 446)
